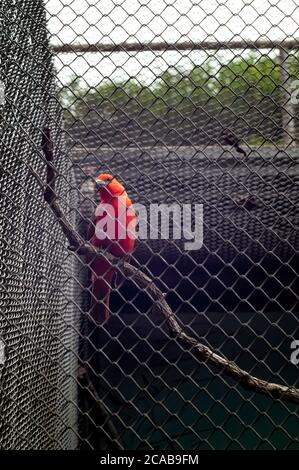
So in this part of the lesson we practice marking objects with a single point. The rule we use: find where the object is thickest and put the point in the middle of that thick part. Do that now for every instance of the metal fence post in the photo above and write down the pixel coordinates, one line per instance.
(287, 110)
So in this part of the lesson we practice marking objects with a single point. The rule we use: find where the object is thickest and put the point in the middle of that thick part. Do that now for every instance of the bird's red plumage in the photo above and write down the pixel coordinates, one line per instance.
(120, 243)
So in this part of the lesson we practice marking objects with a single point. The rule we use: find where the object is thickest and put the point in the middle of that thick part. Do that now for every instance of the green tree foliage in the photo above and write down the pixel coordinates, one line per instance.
(245, 92)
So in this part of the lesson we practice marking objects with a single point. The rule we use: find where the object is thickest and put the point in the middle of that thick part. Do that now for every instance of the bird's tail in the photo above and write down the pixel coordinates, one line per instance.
(101, 278)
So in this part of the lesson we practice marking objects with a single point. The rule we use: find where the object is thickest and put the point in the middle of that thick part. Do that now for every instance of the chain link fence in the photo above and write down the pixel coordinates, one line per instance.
(186, 103)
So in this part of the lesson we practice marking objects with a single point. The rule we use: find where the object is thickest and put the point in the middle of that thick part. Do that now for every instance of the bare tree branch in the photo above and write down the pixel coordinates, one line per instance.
(202, 352)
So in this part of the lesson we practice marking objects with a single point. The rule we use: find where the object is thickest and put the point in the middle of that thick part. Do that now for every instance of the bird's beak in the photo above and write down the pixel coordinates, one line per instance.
(100, 183)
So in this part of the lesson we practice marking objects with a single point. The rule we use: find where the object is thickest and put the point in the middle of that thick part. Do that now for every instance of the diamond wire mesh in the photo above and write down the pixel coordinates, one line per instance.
(159, 120)
(38, 311)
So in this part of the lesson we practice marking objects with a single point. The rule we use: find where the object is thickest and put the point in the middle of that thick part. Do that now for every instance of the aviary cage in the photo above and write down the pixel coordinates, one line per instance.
(198, 128)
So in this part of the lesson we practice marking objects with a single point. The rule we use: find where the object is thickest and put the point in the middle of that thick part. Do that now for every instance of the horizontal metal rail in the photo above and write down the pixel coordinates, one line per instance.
(178, 46)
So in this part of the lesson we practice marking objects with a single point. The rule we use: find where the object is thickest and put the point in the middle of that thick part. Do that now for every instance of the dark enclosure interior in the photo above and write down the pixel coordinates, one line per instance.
(237, 293)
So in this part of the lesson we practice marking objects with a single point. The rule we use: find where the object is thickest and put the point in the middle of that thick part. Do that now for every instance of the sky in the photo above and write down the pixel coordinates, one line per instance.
(72, 21)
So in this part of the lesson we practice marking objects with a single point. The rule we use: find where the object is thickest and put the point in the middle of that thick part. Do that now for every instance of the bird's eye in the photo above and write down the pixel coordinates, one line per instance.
(105, 182)
(100, 183)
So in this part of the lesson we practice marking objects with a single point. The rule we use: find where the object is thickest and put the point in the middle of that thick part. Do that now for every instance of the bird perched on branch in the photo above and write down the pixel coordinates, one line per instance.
(114, 229)
(234, 141)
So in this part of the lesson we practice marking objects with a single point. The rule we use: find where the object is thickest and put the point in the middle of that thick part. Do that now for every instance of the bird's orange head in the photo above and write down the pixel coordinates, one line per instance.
(109, 186)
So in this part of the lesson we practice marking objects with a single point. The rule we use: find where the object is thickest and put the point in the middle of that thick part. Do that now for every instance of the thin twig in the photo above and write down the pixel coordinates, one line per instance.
(202, 352)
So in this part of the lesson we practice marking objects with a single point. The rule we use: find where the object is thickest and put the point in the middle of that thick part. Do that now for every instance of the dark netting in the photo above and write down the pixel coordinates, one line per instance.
(212, 123)
(39, 315)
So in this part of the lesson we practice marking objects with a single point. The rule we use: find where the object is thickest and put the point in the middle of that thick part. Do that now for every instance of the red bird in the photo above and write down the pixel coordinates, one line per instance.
(114, 229)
